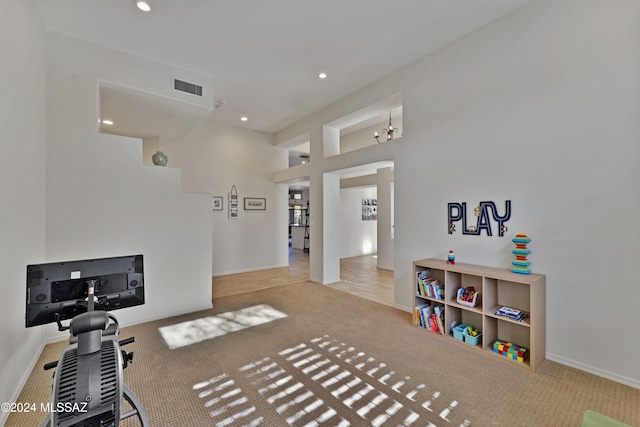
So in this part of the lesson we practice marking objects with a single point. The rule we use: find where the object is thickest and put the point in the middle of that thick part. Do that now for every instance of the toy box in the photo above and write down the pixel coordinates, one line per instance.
(472, 336)
(510, 350)
(458, 332)
(468, 297)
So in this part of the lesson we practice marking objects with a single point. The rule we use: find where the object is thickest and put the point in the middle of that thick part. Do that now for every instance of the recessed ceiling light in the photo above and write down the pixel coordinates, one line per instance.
(244, 119)
(143, 6)
(322, 75)
(107, 122)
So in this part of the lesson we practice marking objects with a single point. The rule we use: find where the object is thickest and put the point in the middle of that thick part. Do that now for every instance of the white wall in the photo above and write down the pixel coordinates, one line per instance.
(22, 165)
(386, 242)
(357, 237)
(213, 158)
(541, 108)
(382, 181)
(102, 201)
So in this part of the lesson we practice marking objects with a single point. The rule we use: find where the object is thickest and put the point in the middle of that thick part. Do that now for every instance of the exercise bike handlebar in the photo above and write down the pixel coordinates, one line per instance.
(127, 341)
(50, 365)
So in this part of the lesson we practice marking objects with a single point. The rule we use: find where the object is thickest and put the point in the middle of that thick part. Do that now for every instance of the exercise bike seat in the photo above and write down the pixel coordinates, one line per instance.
(111, 330)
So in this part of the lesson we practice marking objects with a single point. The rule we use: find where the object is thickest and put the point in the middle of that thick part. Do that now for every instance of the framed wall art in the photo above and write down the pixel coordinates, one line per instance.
(233, 203)
(255, 204)
(217, 203)
(369, 209)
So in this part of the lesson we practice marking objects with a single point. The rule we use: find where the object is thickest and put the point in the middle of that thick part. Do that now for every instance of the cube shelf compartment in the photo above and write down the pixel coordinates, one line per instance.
(497, 288)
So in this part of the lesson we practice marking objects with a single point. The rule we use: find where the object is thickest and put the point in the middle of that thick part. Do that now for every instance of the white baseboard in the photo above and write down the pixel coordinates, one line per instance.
(631, 382)
(403, 308)
(25, 376)
(324, 282)
(386, 267)
(595, 371)
(55, 338)
(248, 270)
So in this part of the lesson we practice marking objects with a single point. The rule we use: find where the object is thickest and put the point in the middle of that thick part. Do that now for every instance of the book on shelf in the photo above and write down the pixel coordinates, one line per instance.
(417, 316)
(421, 278)
(435, 320)
(440, 325)
(421, 315)
(436, 324)
(429, 317)
(509, 311)
(429, 287)
(512, 314)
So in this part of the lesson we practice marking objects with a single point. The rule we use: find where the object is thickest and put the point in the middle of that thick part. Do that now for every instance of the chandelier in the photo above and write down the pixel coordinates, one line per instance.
(388, 131)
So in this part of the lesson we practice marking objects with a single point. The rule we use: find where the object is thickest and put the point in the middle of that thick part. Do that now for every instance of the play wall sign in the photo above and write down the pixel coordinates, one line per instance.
(484, 213)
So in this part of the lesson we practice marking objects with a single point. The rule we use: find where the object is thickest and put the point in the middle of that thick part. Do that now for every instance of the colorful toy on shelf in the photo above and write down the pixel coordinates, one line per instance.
(468, 296)
(451, 258)
(472, 335)
(510, 350)
(521, 264)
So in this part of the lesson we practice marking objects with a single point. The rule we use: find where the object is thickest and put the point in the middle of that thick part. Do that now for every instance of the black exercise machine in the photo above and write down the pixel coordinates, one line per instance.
(88, 388)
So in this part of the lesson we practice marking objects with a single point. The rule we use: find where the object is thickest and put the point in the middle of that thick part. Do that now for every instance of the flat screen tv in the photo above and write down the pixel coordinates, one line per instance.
(58, 290)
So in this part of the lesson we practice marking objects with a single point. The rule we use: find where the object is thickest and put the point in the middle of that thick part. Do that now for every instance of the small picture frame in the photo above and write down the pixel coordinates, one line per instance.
(233, 203)
(217, 203)
(369, 209)
(255, 204)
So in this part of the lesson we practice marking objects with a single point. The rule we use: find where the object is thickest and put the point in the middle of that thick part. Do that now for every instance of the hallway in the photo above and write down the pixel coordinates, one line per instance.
(359, 276)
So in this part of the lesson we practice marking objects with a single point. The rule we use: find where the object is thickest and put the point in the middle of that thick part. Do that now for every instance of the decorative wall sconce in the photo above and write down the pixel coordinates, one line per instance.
(389, 131)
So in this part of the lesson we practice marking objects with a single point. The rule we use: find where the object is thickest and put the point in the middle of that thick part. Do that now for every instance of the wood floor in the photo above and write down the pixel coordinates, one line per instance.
(359, 276)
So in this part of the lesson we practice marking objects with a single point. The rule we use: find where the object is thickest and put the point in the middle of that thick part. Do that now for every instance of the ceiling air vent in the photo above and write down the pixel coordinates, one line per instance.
(191, 88)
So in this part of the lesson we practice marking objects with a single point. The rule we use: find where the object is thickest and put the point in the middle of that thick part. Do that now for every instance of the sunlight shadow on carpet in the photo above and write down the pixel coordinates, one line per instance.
(325, 381)
(206, 328)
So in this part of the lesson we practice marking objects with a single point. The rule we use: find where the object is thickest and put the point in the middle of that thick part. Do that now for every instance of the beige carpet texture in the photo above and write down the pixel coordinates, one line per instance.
(324, 357)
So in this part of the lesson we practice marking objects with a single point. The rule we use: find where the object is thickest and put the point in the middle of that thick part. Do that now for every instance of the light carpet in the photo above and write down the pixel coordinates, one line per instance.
(340, 360)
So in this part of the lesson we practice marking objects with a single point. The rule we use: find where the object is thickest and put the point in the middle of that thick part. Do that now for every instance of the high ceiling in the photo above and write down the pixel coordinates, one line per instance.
(264, 57)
